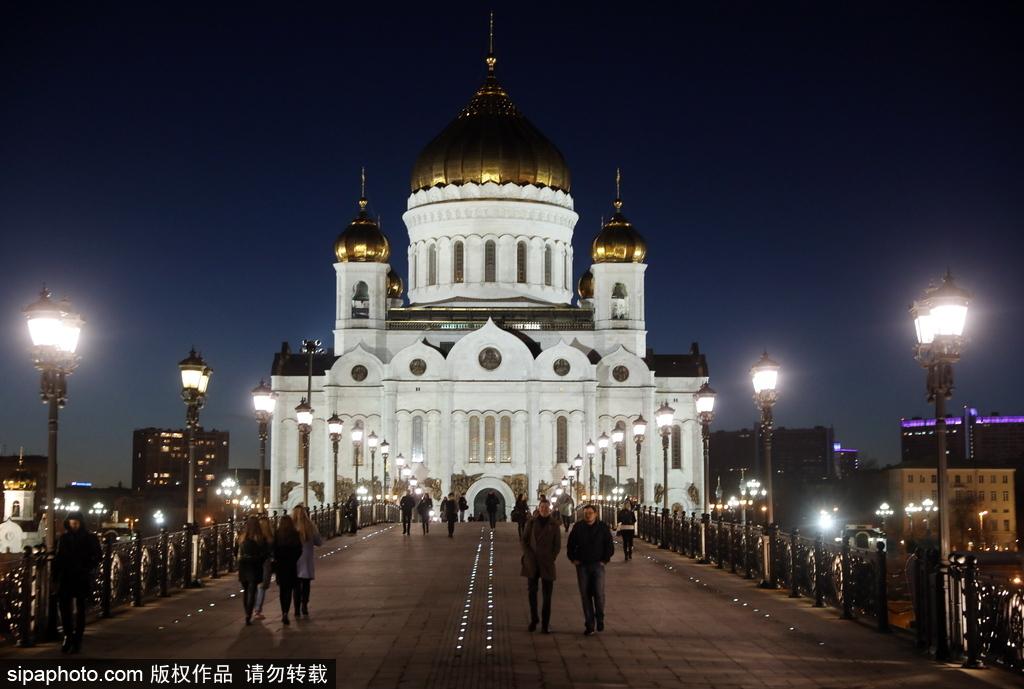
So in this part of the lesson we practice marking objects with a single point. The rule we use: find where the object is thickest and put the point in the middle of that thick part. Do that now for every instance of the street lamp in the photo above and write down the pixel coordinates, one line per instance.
(981, 527)
(54, 329)
(928, 507)
(639, 435)
(884, 512)
(304, 417)
(195, 379)
(577, 465)
(229, 490)
(385, 452)
(158, 517)
(335, 427)
(602, 443)
(371, 442)
(591, 450)
(939, 319)
(98, 509)
(825, 521)
(765, 375)
(618, 435)
(357, 441)
(911, 509)
(664, 417)
(704, 400)
(263, 401)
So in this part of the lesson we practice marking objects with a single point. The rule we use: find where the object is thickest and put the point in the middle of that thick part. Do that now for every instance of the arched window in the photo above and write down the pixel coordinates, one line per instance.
(506, 439)
(521, 262)
(620, 302)
(459, 263)
(474, 439)
(677, 447)
(620, 448)
(490, 261)
(432, 265)
(360, 300)
(15, 509)
(417, 439)
(547, 265)
(562, 440)
(489, 447)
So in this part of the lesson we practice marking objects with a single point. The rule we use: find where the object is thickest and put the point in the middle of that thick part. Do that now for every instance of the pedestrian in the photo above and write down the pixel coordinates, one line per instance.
(253, 551)
(407, 504)
(521, 513)
(491, 503)
(541, 541)
(450, 513)
(626, 527)
(443, 509)
(423, 510)
(590, 548)
(78, 554)
(565, 507)
(268, 566)
(287, 550)
(352, 511)
(463, 506)
(309, 535)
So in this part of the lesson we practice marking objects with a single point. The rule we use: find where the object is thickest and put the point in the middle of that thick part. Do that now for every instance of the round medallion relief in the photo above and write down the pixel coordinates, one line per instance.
(358, 373)
(561, 367)
(620, 373)
(417, 367)
(490, 358)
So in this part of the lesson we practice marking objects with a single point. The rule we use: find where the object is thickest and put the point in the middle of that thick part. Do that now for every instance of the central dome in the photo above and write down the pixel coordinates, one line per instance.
(490, 141)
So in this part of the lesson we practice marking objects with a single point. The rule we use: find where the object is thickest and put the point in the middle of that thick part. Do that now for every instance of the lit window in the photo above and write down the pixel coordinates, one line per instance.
(506, 439)
(489, 439)
(458, 262)
(417, 439)
(677, 447)
(431, 265)
(547, 265)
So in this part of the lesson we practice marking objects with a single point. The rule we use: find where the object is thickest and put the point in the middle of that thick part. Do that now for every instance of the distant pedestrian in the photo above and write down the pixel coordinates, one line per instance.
(407, 504)
(590, 548)
(626, 528)
(424, 509)
(541, 541)
(450, 513)
(78, 554)
(253, 552)
(352, 511)
(491, 503)
(310, 537)
(287, 550)
(463, 506)
(268, 566)
(565, 507)
(521, 513)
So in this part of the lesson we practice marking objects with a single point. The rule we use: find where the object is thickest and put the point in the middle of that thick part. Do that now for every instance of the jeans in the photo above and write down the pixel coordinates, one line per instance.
(287, 589)
(627, 543)
(462, 515)
(566, 521)
(425, 521)
(261, 592)
(250, 584)
(522, 527)
(451, 526)
(72, 622)
(590, 576)
(302, 595)
(493, 517)
(406, 523)
(545, 612)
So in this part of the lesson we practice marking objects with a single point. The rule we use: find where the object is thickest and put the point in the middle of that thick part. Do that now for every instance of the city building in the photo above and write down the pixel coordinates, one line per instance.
(846, 460)
(488, 374)
(969, 437)
(160, 458)
(799, 453)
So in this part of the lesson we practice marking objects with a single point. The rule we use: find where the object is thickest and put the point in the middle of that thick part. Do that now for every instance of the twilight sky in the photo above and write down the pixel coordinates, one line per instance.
(800, 172)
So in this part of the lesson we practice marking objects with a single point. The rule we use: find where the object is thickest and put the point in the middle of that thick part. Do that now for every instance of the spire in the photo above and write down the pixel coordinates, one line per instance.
(21, 456)
(618, 191)
(362, 189)
(490, 59)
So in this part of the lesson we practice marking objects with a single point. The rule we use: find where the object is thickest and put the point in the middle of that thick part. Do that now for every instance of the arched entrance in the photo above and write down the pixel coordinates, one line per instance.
(477, 493)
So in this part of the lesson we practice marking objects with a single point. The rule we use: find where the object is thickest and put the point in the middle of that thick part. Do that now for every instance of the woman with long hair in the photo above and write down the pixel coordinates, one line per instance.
(253, 550)
(268, 566)
(287, 549)
(626, 527)
(309, 536)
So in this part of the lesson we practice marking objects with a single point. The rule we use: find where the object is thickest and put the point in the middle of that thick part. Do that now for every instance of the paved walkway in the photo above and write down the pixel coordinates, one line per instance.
(433, 612)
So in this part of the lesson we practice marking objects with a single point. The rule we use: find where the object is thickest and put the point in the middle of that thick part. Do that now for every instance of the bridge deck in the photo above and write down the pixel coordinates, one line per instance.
(390, 609)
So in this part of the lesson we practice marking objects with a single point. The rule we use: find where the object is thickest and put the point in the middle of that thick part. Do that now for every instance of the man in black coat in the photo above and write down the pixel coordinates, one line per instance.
(590, 548)
(491, 502)
(78, 554)
(352, 510)
(463, 506)
(450, 513)
(407, 505)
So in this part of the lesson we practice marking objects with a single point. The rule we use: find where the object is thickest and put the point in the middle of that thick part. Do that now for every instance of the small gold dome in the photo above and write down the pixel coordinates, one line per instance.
(362, 240)
(21, 479)
(490, 141)
(618, 241)
(585, 287)
(395, 285)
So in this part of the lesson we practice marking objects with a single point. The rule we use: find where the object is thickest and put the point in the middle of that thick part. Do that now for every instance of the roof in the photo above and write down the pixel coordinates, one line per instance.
(287, 363)
(690, 365)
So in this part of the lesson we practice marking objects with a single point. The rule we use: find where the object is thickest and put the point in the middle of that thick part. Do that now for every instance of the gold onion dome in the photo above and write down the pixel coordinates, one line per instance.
(21, 479)
(585, 287)
(618, 241)
(362, 241)
(490, 141)
(395, 285)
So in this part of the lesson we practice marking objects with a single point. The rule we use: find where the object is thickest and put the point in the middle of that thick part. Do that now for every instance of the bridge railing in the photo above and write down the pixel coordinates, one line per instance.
(134, 569)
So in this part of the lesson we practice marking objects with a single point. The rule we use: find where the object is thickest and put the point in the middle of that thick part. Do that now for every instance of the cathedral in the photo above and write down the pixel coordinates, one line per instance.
(485, 372)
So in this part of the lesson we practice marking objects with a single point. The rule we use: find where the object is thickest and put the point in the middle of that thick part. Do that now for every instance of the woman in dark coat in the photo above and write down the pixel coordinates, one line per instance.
(287, 549)
(542, 540)
(78, 554)
(423, 509)
(627, 526)
(521, 513)
(253, 551)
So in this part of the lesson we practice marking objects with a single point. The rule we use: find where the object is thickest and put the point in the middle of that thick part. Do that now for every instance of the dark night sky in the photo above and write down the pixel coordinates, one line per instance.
(180, 171)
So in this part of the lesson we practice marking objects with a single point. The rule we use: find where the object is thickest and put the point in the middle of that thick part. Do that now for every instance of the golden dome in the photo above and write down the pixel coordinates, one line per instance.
(490, 141)
(362, 240)
(618, 241)
(585, 287)
(395, 285)
(21, 479)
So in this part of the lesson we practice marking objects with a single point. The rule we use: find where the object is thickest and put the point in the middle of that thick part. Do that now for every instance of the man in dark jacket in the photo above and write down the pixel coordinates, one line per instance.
(450, 513)
(491, 502)
(78, 554)
(424, 508)
(407, 505)
(352, 511)
(542, 539)
(590, 548)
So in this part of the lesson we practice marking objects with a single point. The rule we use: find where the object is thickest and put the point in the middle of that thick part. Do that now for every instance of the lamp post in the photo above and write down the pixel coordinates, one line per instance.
(704, 399)
(591, 450)
(230, 491)
(335, 427)
(304, 417)
(385, 452)
(884, 512)
(765, 375)
(639, 435)
(939, 319)
(263, 402)
(602, 443)
(371, 442)
(618, 436)
(54, 329)
(911, 509)
(981, 528)
(577, 467)
(195, 379)
(664, 417)
(928, 507)
(357, 441)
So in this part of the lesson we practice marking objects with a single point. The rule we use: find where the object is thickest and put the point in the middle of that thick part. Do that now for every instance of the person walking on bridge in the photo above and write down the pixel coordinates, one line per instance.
(541, 542)
(424, 509)
(78, 554)
(626, 527)
(352, 511)
(463, 506)
(287, 550)
(253, 552)
(407, 504)
(590, 548)
(566, 507)
(450, 513)
(521, 513)
(267, 530)
(309, 535)
(491, 503)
